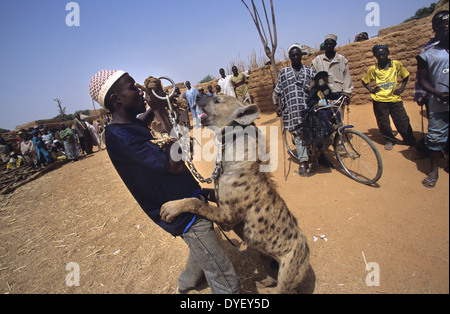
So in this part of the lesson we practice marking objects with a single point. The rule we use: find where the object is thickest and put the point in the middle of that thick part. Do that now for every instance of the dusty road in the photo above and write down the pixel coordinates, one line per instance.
(82, 213)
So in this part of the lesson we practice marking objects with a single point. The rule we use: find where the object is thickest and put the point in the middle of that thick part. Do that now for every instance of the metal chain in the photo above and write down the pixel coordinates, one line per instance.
(185, 144)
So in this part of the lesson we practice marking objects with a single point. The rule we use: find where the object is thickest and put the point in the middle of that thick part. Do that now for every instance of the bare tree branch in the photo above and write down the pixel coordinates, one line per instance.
(270, 52)
(274, 23)
(62, 111)
(260, 23)
(268, 23)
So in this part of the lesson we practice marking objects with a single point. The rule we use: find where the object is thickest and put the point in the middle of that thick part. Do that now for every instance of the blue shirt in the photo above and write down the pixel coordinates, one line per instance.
(143, 168)
(438, 75)
(191, 97)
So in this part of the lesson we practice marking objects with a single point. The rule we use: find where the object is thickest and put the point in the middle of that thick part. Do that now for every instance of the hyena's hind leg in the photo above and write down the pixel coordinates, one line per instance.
(293, 269)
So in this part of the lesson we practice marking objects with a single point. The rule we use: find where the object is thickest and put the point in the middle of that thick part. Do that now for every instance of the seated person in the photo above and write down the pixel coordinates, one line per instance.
(320, 96)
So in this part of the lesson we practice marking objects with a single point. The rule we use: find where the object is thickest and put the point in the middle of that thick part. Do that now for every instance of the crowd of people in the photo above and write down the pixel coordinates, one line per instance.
(39, 146)
(234, 85)
(329, 74)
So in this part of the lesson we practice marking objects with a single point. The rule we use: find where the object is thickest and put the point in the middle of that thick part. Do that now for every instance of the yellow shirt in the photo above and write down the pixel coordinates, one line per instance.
(387, 80)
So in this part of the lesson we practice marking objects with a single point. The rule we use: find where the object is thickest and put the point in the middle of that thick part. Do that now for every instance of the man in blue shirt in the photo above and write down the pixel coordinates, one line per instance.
(153, 178)
(191, 96)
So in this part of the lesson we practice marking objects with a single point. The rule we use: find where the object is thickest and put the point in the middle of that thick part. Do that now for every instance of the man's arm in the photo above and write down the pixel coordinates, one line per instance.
(277, 103)
(370, 89)
(157, 105)
(400, 91)
(369, 77)
(425, 83)
(348, 81)
(158, 108)
(147, 116)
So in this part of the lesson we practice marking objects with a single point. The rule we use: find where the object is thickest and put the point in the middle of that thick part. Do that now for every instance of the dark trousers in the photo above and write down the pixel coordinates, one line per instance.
(384, 110)
(327, 116)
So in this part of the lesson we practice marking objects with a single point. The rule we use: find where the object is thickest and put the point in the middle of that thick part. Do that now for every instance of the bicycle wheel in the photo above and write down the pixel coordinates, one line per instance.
(288, 139)
(358, 156)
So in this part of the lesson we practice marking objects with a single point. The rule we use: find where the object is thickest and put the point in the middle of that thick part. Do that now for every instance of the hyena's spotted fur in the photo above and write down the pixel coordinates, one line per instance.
(249, 198)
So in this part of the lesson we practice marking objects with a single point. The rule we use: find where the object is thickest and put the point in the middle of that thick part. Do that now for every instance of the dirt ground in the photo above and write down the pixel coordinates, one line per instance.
(82, 213)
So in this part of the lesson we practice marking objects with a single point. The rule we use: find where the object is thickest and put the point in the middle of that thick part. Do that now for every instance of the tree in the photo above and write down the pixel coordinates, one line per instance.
(207, 79)
(270, 51)
(62, 111)
(423, 12)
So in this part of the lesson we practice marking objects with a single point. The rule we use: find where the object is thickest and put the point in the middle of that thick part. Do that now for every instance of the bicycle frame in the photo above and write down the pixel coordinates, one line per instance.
(345, 146)
(336, 108)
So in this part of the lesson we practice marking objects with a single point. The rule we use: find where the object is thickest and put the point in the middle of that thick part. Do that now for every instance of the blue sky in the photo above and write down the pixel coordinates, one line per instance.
(41, 58)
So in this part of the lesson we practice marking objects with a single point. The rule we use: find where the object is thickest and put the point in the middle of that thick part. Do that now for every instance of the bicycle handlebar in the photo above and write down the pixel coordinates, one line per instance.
(340, 101)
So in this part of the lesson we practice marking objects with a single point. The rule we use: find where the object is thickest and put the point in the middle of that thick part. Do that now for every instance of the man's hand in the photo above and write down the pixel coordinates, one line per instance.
(278, 110)
(347, 99)
(442, 96)
(375, 90)
(157, 105)
(399, 91)
(154, 84)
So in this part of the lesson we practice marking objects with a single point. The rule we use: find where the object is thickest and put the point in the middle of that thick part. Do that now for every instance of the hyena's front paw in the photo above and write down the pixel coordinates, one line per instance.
(170, 210)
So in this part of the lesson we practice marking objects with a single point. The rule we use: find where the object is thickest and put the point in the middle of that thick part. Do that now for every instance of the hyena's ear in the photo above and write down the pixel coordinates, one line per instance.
(245, 115)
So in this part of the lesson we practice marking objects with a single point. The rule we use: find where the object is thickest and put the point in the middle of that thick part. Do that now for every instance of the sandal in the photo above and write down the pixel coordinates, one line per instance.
(429, 183)
(303, 171)
(389, 146)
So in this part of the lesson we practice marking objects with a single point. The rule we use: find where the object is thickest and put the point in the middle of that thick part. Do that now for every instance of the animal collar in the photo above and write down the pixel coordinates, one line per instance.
(220, 153)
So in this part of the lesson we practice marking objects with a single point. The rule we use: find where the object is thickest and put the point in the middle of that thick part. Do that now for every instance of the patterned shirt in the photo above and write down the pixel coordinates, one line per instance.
(294, 89)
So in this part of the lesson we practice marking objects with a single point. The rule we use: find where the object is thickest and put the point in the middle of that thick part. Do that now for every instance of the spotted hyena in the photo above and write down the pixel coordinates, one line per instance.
(248, 198)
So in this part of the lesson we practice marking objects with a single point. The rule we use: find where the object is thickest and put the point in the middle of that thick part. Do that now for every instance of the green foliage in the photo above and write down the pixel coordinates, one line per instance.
(207, 79)
(423, 12)
(4, 131)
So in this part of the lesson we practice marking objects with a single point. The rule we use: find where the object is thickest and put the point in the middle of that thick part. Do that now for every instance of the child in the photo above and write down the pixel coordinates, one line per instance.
(386, 97)
(153, 178)
(321, 96)
(29, 151)
(319, 130)
(43, 155)
(16, 161)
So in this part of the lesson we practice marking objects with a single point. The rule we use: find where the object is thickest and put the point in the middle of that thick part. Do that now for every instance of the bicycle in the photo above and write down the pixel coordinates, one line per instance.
(355, 152)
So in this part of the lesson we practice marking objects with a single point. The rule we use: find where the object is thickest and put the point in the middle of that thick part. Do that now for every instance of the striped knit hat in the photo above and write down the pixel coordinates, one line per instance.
(101, 84)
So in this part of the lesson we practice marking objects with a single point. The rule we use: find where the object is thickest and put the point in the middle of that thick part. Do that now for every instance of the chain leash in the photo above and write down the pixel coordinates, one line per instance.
(185, 141)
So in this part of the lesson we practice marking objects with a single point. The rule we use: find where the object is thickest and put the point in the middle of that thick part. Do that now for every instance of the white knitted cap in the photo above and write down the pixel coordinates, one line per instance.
(102, 82)
(294, 46)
